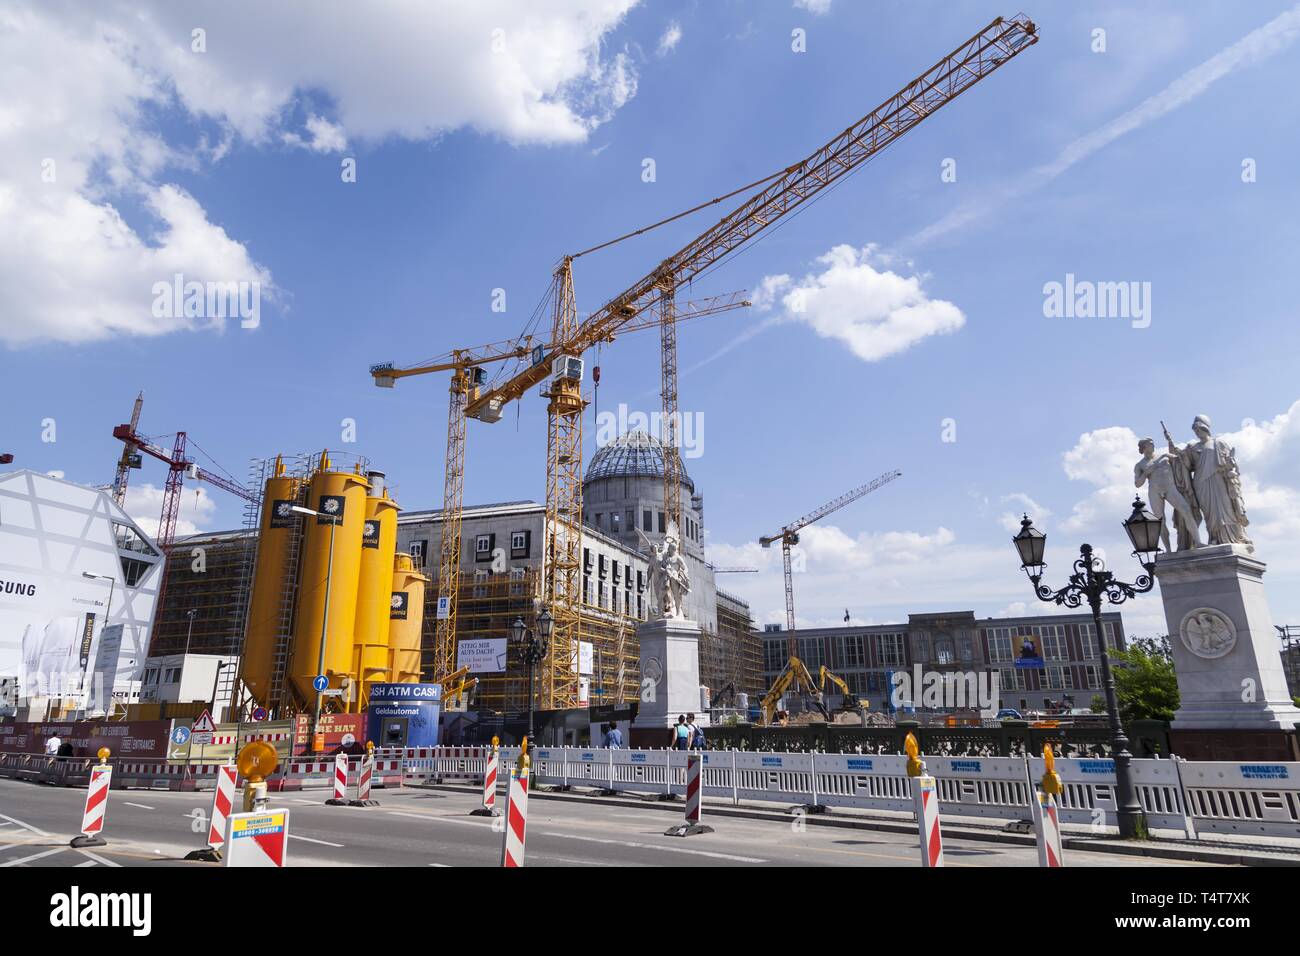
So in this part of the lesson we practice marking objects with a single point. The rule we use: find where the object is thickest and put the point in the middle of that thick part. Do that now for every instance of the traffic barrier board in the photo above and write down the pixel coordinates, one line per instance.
(257, 839)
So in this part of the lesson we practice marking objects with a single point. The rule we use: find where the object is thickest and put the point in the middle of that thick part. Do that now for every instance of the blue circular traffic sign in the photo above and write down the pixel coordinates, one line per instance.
(320, 682)
(259, 713)
(181, 736)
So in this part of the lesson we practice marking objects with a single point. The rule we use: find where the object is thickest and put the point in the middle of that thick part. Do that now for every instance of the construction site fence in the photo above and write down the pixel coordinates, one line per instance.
(1011, 738)
(1189, 797)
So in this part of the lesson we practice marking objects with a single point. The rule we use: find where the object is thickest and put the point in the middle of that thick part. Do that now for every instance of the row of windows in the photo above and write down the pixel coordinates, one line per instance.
(624, 522)
(611, 599)
(848, 651)
(1004, 642)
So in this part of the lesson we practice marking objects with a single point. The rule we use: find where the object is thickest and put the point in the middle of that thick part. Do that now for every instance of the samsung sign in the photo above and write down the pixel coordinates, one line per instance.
(17, 587)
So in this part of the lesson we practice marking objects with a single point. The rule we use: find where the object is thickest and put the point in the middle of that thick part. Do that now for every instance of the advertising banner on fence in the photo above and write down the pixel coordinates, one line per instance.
(146, 739)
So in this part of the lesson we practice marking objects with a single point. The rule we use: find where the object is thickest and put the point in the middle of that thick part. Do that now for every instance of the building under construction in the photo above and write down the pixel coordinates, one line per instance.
(260, 591)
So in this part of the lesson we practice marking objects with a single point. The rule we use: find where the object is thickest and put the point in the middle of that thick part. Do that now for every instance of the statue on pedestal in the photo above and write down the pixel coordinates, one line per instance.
(1168, 482)
(1215, 484)
(669, 576)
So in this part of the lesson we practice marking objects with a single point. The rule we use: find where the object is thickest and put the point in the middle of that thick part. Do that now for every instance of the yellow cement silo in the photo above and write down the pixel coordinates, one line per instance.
(407, 620)
(270, 603)
(374, 589)
(341, 496)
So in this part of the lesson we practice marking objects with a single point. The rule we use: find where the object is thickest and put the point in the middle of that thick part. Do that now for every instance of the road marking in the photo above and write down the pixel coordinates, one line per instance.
(654, 846)
(35, 856)
(294, 836)
(87, 863)
(140, 805)
(440, 864)
(25, 826)
(95, 858)
(6, 824)
(438, 819)
(310, 803)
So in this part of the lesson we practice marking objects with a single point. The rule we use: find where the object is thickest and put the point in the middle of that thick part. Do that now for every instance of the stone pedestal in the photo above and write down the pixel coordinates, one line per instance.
(1226, 654)
(670, 680)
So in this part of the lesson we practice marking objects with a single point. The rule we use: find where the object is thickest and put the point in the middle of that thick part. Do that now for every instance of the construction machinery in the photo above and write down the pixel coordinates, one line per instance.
(789, 537)
(849, 701)
(130, 457)
(652, 299)
(796, 676)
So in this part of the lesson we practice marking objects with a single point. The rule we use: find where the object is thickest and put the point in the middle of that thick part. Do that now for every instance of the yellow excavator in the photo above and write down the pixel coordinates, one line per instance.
(795, 674)
(850, 702)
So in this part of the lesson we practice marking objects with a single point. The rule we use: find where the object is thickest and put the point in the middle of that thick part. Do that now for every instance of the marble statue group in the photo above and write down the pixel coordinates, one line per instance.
(1200, 483)
(669, 576)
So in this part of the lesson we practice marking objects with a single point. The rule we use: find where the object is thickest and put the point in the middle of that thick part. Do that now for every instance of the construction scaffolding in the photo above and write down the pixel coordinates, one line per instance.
(197, 614)
(735, 654)
(489, 605)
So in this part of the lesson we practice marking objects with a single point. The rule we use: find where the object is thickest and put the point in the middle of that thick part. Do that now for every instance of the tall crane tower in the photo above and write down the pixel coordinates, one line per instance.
(467, 379)
(130, 457)
(652, 299)
(789, 537)
(178, 468)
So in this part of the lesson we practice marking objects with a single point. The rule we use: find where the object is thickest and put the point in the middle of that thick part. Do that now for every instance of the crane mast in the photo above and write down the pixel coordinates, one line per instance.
(789, 536)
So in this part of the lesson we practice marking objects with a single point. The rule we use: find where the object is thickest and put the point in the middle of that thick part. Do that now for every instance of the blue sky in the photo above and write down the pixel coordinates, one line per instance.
(478, 168)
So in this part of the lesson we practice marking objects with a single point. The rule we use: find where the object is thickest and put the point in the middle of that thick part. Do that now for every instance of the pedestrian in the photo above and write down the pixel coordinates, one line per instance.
(52, 745)
(613, 737)
(681, 734)
(692, 731)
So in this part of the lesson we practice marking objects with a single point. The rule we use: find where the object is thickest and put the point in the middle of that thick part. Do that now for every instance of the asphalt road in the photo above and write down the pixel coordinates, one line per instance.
(434, 828)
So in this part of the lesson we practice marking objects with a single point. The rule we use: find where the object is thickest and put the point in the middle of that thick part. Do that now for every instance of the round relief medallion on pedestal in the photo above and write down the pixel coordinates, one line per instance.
(653, 669)
(1207, 632)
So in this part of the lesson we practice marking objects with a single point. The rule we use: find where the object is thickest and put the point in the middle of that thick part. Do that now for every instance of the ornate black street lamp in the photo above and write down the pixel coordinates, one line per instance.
(533, 648)
(1091, 582)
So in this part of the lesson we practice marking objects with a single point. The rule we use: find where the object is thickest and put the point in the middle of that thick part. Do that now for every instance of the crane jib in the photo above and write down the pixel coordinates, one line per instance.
(980, 55)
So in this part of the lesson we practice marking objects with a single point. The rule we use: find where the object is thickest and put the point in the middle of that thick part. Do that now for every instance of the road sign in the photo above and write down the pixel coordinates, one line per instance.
(201, 730)
(257, 839)
(320, 682)
(181, 736)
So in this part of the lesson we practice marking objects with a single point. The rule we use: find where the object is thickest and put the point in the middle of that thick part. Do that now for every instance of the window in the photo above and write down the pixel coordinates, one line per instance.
(661, 523)
(964, 647)
(586, 560)
(600, 519)
(615, 576)
(586, 589)
(600, 594)
(774, 656)
(603, 562)
(943, 651)
(1000, 647)
(1058, 676)
(629, 521)
(1088, 641)
(1054, 646)
(923, 647)
(615, 523)
(890, 647)
(151, 676)
(483, 545)
(1011, 679)
(1092, 674)
(173, 675)
(811, 651)
(850, 651)
(639, 611)
(520, 543)
(419, 550)
(647, 524)
(640, 583)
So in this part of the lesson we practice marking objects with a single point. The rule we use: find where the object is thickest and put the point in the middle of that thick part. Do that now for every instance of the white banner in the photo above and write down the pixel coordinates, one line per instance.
(485, 655)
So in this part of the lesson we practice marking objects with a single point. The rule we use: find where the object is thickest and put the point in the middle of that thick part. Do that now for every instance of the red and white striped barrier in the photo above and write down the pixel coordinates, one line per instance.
(925, 799)
(489, 807)
(365, 777)
(694, 803)
(512, 845)
(1048, 822)
(223, 802)
(340, 797)
(96, 810)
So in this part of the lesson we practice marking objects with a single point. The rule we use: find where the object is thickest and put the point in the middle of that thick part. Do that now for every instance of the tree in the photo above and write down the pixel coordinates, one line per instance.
(1145, 685)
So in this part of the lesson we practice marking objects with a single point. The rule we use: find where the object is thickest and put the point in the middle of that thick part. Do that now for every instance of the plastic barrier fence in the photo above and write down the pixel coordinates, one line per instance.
(1257, 798)
(1089, 790)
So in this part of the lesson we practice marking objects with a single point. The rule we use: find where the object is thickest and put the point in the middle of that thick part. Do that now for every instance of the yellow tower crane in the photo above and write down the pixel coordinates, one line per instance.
(653, 299)
(789, 537)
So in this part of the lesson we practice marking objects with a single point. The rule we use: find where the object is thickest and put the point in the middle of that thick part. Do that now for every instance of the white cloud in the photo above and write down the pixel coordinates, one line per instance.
(1024, 505)
(85, 86)
(144, 505)
(876, 313)
(1258, 45)
(817, 7)
(672, 36)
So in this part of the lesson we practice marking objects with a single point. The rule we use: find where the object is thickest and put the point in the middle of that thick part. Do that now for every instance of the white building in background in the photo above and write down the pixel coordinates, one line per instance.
(183, 678)
(78, 584)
